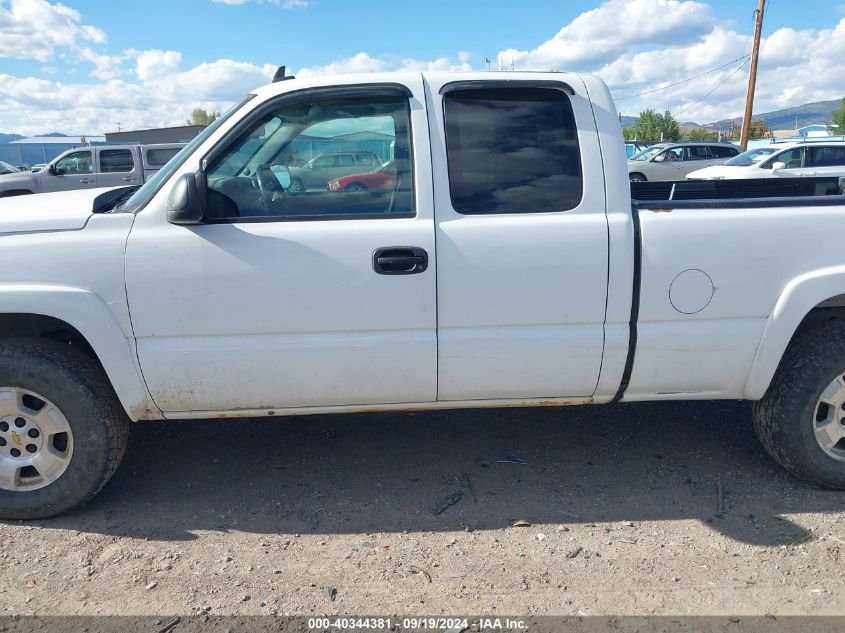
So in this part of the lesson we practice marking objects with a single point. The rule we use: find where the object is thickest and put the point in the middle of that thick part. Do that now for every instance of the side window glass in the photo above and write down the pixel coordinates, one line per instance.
(828, 156)
(158, 157)
(512, 150)
(75, 163)
(284, 168)
(116, 160)
(365, 159)
(697, 152)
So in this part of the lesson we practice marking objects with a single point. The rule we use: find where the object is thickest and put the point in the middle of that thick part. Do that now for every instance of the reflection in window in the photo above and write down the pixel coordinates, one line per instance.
(512, 150)
(75, 163)
(318, 160)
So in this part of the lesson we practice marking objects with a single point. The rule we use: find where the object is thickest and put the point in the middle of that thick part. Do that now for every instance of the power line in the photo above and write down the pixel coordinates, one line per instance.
(678, 83)
(719, 85)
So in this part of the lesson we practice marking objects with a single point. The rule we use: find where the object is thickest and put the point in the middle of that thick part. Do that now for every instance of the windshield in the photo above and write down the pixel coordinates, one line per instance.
(752, 156)
(148, 190)
(651, 152)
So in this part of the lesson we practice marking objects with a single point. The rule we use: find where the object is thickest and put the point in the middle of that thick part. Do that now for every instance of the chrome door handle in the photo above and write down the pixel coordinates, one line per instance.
(86, 181)
(129, 179)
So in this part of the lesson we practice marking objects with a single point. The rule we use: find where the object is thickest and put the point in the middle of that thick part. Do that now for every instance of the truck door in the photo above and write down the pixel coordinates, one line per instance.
(287, 301)
(74, 170)
(118, 167)
(522, 238)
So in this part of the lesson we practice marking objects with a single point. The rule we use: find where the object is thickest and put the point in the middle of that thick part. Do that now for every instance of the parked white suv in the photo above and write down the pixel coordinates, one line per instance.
(780, 161)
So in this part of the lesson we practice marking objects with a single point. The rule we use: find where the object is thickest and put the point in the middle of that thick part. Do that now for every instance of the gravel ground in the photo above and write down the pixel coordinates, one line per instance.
(667, 508)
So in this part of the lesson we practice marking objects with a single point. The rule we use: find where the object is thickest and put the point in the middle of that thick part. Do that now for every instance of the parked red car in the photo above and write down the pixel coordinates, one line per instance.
(383, 178)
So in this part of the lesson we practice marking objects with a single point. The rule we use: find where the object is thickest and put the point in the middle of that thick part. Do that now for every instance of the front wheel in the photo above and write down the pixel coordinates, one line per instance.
(296, 186)
(62, 429)
(636, 178)
(801, 419)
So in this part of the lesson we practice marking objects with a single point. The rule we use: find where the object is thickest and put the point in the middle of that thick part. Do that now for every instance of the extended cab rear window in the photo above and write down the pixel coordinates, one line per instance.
(512, 150)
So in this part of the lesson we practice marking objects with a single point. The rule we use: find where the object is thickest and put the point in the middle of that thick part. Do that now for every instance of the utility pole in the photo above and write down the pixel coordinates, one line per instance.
(752, 76)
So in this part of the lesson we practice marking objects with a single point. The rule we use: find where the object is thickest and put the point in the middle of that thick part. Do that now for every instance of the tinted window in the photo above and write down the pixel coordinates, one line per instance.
(158, 157)
(76, 163)
(512, 150)
(720, 151)
(116, 160)
(697, 152)
(261, 177)
(826, 156)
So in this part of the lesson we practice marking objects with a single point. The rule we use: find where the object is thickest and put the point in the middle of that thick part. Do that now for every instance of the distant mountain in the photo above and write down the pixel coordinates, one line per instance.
(8, 138)
(52, 134)
(809, 113)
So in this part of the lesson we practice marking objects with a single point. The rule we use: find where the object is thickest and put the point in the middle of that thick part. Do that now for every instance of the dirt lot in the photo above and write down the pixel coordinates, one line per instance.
(634, 509)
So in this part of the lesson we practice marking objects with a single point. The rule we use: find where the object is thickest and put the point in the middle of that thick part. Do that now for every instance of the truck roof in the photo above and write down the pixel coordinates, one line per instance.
(404, 77)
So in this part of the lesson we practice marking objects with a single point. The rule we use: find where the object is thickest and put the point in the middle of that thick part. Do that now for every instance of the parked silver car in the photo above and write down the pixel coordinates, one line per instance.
(673, 161)
(318, 171)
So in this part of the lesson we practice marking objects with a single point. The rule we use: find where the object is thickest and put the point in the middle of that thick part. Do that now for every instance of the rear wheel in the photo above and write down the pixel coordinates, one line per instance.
(62, 429)
(801, 419)
(637, 178)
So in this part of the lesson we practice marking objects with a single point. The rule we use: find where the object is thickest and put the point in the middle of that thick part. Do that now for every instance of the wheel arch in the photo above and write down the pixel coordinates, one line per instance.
(79, 318)
(805, 301)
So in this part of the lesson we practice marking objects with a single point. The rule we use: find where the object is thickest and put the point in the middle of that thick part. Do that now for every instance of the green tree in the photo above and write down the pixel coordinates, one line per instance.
(700, 134)
(200, 116)
(758, 129)
(652, 127)
(838, 118)
(669, 126)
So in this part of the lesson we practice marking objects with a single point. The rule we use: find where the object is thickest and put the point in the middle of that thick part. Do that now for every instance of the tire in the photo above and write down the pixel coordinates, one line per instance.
(637, 178)
(296, 186)
(74, 385)
(787, 418)
(356, 186)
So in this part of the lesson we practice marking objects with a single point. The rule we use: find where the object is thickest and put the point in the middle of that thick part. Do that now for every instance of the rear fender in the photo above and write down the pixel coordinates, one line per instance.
(798, 298)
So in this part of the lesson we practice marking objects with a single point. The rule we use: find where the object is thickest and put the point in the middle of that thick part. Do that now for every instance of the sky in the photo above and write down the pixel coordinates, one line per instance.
(87, 66)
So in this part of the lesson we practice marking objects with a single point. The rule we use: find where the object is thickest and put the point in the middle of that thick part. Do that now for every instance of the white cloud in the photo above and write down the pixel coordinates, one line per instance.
(34, 29)
(640, 45)
(157, 93)
(634, 45)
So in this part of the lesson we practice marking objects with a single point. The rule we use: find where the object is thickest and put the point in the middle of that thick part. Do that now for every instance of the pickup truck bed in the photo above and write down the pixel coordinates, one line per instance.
(499, 261)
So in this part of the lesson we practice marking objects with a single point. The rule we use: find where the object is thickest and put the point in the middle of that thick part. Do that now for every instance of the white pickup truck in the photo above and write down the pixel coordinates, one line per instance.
(92, 167)
(500, 263)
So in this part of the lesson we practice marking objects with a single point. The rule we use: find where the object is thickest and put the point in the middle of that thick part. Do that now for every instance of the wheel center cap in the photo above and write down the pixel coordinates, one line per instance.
(20, 437)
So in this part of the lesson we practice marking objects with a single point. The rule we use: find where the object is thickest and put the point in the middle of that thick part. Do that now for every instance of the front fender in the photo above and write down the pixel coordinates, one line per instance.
(799, 296)
(89, 314)
(16, 182)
